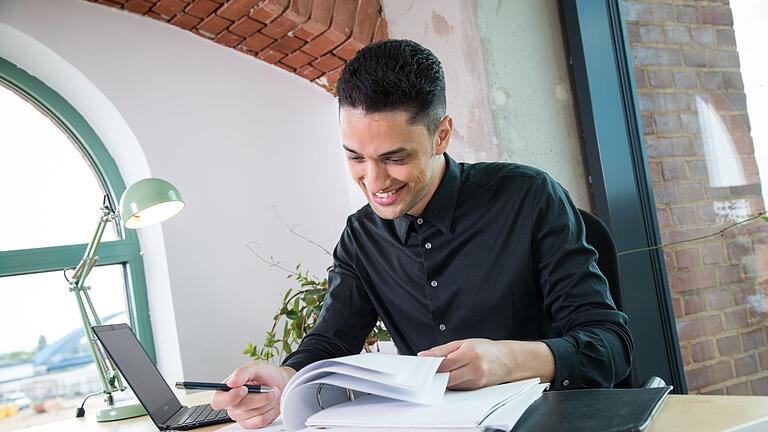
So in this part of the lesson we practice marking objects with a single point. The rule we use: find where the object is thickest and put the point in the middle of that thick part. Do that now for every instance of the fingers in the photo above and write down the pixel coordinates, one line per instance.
(441, 350)
(241, 414)
(226, 399)
(256, 401)
(462, 378)
(260, 420)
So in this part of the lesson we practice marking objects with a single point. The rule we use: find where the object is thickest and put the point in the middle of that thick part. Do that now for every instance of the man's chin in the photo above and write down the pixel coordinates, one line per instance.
(389, 213)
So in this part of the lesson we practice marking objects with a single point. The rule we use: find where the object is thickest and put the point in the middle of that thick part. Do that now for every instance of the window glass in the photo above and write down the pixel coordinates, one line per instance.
(701, 75)
(50, 196)
(46, 368)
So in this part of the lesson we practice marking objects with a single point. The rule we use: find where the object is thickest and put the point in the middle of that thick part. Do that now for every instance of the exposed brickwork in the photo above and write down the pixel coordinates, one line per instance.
(310, 38)
(686, 60)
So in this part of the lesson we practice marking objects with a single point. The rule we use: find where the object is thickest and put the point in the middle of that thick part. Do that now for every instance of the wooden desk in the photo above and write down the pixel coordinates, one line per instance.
(679, 413)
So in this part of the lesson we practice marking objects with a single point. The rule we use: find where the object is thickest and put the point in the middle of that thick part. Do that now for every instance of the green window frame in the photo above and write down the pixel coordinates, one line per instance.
(125, 251)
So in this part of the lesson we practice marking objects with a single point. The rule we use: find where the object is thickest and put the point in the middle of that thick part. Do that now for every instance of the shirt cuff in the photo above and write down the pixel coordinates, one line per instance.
(566, 364)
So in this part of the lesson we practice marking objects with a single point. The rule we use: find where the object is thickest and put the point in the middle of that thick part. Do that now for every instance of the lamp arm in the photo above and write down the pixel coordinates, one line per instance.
(110, 379)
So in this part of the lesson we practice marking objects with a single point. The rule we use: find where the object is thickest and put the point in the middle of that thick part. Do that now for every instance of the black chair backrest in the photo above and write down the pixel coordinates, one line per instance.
(599, 237)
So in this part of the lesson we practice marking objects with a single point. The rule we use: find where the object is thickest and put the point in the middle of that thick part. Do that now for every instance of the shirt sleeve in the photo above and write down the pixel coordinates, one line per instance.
(594, 347)
(347, 316)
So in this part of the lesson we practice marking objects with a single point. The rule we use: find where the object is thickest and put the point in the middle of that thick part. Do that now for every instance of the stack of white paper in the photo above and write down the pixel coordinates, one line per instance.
(397, 392)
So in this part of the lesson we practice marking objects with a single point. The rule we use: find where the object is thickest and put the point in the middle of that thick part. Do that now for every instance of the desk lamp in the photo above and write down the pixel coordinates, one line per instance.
(144, 203)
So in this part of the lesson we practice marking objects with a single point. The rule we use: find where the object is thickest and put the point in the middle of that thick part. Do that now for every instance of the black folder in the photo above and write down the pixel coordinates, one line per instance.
(593, 410)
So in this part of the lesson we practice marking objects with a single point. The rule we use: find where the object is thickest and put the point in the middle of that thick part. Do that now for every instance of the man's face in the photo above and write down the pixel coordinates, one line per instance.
(396, 164)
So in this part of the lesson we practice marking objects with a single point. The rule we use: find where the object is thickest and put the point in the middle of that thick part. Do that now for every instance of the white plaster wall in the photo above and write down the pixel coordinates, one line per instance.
(449, 30)
(235, 135)
(530, 90)
(507, 81)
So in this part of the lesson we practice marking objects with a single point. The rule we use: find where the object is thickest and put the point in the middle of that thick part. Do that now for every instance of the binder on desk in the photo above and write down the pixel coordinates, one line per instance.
(615, 410)
(384, 391)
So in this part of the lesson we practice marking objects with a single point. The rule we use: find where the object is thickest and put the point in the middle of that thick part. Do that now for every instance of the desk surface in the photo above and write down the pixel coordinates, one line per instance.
(678, 413)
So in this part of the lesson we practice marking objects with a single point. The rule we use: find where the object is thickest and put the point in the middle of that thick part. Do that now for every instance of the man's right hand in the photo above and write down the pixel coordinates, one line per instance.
(253, 410)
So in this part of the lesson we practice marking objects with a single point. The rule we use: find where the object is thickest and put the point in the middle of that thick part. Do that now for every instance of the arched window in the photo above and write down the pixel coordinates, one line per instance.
(54, 171)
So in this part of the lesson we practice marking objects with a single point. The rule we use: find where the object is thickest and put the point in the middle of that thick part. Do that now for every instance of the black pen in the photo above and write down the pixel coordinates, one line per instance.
(196, 385)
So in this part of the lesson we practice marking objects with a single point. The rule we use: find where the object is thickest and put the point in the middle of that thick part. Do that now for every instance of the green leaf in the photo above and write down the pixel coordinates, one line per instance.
(292, 314)
(765, 218)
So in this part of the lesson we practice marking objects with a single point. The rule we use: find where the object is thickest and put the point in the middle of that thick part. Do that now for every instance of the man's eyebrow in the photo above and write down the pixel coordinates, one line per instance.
(396, 151)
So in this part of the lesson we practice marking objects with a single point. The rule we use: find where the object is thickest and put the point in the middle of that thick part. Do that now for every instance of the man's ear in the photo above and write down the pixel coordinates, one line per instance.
(443, 134)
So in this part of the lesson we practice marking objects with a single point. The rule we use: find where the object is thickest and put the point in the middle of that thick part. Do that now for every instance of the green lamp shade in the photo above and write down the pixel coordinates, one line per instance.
(149, 201)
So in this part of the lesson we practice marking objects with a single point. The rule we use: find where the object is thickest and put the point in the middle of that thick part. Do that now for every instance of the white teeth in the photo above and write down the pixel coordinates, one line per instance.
(385, 194)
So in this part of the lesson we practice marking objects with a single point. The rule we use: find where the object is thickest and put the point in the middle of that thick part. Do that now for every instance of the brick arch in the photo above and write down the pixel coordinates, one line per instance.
(310, 38)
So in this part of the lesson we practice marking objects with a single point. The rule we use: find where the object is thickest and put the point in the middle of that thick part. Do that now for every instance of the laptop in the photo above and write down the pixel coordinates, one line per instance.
(150, 388)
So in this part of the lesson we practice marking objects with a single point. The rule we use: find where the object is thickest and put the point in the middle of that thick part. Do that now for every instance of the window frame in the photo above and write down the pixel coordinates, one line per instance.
(125, 251)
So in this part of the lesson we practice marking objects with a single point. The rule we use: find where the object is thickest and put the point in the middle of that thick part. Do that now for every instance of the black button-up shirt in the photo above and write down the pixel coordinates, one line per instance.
(498, 253)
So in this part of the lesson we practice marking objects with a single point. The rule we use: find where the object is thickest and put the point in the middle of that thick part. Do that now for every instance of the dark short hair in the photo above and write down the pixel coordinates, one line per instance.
(395, 75)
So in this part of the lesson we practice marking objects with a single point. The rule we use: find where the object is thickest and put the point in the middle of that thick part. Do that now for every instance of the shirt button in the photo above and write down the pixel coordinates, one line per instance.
(442, 327)
(565, 383)
(433, 283)
(419, 221)
(428, 246)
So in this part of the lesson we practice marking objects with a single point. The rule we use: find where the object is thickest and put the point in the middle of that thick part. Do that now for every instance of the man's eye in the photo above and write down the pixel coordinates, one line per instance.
(396, 161)
(355, 158)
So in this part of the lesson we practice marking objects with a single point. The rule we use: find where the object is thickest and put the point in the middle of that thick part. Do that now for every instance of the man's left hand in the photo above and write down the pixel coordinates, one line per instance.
(477, 363)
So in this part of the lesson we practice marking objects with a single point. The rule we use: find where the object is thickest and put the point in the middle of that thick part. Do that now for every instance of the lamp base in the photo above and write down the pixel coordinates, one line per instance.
(120, 412)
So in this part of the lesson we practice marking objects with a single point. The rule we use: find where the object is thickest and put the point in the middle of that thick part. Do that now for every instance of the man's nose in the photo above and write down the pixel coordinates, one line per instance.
(375, 177)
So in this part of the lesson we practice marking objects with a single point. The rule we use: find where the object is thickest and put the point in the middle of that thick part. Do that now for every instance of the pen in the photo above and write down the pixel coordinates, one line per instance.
(197, 385)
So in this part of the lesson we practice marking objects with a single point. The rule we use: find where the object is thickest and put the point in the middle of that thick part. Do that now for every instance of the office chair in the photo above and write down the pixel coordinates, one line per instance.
(599, 237)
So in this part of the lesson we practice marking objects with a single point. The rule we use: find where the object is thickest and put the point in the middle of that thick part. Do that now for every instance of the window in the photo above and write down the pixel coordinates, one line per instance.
(54, 172)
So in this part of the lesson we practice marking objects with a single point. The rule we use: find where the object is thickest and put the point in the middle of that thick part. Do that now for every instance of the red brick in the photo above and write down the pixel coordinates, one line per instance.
(753, 339)
(368, 13)
(679, 192)
(298, 59)
(257, 42)
(328, 81)
(687, 258)
(703, 351)
(740, 389)
(708, 375)
(382, 30)
(319, 20)
(736, 319)
(649, 12)
(270, 56)
(760, 387)
(213, 25)
(716, 15)
(295, 15)
(726, 38)
(729, 345)
(156, 16)
(201, 8)
(169, 8)
(677, 306)
(245, 27)
(693, 304)
(687, 14)
(763, 356)
(267, 10)
(138, 6)
(689, 329)
(328, 63)
(713, 253)
(185, 21)
(729, 274)
(309, 73)
(233, 10)
(113, 3)
(738, 249)
(719, 299)
(720, 391)
(340, 29)
(674, 170)
(288, 44)
(746, 365)
(229, 39)
(284, 67)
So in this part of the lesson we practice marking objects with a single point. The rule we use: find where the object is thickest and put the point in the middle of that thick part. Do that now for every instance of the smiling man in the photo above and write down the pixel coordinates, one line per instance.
(484, 264)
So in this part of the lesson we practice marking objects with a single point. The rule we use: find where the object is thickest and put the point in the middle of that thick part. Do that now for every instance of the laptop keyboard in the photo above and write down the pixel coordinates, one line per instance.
(202, 413)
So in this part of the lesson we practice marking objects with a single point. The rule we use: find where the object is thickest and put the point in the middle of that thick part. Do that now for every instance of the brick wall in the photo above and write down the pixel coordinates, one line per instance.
(310, 38)
(686, 62)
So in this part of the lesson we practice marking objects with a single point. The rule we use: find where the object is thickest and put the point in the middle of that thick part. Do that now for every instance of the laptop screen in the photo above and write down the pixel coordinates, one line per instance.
(136, 367)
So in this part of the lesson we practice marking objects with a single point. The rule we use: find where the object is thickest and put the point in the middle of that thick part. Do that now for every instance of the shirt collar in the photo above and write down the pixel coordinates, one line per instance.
(440, 208)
